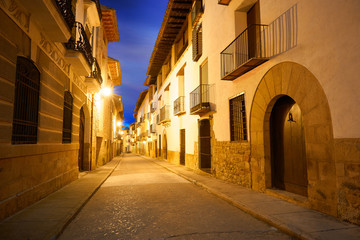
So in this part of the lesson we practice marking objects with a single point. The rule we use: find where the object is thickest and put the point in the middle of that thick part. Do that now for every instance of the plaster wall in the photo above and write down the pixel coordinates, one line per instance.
(320, 35)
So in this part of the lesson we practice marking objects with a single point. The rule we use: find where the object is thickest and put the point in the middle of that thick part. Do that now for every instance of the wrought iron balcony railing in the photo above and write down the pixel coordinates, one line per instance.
(201, 99)
(80, 42)
(153, 107)
(165, 114)
(179, 105)
(97, 2)
(256, 44)
(96, 71)
(246, 52)
(158, 119)
(65, 9)
(153, 128)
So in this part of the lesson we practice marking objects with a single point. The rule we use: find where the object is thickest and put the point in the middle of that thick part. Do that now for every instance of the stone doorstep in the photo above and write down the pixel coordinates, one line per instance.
(290, 218)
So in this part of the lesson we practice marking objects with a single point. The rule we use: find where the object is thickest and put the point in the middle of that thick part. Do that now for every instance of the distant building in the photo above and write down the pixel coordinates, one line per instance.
(56, 117)
(260, 93)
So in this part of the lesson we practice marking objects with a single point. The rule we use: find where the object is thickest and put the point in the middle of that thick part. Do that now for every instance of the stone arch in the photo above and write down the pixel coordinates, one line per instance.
(296, 81)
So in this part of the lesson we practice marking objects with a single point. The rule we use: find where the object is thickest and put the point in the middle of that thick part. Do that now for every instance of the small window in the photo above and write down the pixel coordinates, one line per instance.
(26, 102)
(67, 118)
(238, 129)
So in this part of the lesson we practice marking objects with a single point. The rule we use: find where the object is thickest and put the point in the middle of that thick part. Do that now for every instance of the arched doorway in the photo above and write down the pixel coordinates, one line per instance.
(297, 82)
(81, 140)
(288, 160)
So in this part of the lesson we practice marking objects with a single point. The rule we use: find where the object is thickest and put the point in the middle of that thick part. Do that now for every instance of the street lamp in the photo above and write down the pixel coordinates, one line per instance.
(106, 91)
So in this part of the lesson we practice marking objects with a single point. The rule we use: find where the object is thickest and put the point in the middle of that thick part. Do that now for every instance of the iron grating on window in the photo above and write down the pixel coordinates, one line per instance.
(67, 118)
(26, 103)
(238, 128)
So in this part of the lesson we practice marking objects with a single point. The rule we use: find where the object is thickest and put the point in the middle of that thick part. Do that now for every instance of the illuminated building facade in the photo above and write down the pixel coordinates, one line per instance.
(56, 106)
(263, 94)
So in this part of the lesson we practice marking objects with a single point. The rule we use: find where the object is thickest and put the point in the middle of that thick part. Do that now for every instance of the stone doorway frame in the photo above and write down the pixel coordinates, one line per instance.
(297, 82)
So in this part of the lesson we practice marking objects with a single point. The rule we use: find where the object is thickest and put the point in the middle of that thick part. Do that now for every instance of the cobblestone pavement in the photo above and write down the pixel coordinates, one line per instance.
(142, 200)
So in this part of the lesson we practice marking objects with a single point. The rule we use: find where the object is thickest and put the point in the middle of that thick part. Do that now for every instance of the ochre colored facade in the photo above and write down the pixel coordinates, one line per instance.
(63, 137)
(299, 56)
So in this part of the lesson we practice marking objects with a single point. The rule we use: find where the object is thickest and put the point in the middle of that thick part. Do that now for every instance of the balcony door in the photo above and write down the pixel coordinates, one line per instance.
(253, 18)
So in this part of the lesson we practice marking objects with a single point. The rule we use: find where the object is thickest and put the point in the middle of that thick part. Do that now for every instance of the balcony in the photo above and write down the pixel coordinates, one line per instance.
(245, 53)
(165, 114)
(179, 106)
(152, 128)
(158, 119)
(201, 99)
(55, 17)
(153, 107)
(97, 3)
(94, 80)
(79, 52)
(196, 13)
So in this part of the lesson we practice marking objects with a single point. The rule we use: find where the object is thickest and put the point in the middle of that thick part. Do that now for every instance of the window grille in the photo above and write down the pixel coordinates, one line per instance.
(26, 103)
(67, 118)
(238, 127)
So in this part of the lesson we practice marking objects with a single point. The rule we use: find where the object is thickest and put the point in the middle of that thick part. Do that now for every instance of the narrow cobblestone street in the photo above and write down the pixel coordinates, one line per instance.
(142, 200)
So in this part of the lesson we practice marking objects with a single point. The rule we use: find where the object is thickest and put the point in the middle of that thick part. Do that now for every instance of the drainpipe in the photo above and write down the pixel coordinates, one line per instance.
(91, 128)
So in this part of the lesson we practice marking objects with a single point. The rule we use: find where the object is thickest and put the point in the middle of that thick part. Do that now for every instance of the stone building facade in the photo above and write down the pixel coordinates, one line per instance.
(53, 56)
(271, 104)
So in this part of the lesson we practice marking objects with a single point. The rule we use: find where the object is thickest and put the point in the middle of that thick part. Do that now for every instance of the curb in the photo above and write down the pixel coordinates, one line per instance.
(57, 233)
(273, 222)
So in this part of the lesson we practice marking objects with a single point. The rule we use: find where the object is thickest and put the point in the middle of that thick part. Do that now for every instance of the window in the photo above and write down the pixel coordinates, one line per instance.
(67, 118)
(26, 102)
(181, 43)
(238, 129)
(197, 42)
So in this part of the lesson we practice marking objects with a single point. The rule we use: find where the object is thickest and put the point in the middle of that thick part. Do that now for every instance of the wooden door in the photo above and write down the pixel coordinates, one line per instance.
(165, 146)
(156, 148)
(182, 146)
(160, 145)
(253, 33)
(81, 140)
(289, 168)
(204, 144)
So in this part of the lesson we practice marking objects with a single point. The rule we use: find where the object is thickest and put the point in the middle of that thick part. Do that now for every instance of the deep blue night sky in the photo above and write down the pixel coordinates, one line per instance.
(139, 22)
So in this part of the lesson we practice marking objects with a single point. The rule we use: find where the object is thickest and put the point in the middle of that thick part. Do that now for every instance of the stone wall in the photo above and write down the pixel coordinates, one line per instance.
(173, 157)
(347, 158)
(230, 162)
(27, 179)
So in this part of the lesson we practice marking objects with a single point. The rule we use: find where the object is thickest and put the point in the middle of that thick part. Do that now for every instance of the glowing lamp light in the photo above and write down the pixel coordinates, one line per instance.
(106, 91)
(119, 123)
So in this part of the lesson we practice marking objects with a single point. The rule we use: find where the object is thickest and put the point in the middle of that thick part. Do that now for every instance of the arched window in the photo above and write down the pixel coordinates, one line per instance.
(26, 102)
(67, 118)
